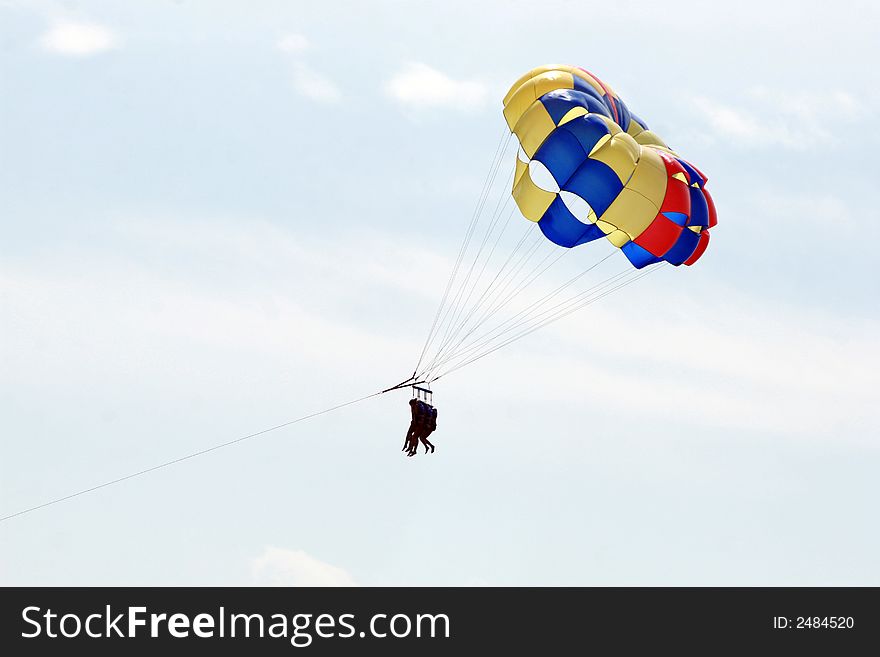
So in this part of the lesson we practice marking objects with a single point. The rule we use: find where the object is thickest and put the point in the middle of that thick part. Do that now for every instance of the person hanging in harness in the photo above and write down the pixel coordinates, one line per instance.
(430, 427)
(419, 411)
(423, 424)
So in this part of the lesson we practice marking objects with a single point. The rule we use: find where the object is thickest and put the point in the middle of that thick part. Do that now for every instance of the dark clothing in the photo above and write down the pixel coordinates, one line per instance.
(417, 407)
(423, 424)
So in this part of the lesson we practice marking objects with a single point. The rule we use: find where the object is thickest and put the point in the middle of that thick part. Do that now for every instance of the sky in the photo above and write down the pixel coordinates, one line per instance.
(217, 217)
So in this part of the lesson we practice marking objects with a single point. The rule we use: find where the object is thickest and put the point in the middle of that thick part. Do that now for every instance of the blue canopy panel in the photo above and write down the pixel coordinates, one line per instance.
(699, 208)
(596, 183)
(560, 102)
(567, 147)
(683, 248)
(623, 115)
(588, 130)
(678, 218)
(638, 256)
(562, 153)
(582, 85)
(618, 111)
(561, 227)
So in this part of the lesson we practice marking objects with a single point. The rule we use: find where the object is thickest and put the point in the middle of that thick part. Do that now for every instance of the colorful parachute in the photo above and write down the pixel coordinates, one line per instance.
(589, 168)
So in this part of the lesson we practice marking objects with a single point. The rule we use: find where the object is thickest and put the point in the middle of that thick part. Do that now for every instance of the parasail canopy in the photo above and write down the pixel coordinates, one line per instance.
(588, 168)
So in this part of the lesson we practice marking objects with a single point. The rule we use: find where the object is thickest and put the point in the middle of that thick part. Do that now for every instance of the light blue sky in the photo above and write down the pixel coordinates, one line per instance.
(220, 216)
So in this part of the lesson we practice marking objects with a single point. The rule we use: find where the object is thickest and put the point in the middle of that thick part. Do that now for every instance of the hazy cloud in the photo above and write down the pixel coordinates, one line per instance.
(309, 82)
(78, 39)
(764, 117)
(314, 85)
(280, 567)
(293, 43)
(419, 85)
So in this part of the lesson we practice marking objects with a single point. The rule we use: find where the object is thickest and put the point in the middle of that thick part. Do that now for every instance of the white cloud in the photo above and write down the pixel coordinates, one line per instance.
(314, 85)
(764, 117)
(280, 567)
(418, 85)
(79, 39)
(730, 121)
(809, 106)
(307, 81)
(847, 105)
(293, 43)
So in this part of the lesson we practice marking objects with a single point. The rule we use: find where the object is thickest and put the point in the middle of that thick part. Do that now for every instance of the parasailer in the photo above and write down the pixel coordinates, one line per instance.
(586, 168)
(423, 422)
(430, 427)
(417, 411)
